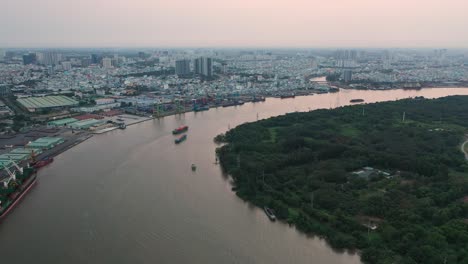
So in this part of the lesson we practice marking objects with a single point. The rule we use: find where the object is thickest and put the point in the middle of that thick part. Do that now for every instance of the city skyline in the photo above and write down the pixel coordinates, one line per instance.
(207, 23)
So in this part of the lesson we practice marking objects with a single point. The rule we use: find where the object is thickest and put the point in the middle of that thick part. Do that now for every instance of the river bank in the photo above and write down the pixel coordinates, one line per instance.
(324, 172)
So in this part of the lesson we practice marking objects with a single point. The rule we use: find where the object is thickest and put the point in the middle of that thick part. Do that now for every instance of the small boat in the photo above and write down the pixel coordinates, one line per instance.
(194, 167)
(356, 100)
(181, 139)
(269, 212)
(179, 130)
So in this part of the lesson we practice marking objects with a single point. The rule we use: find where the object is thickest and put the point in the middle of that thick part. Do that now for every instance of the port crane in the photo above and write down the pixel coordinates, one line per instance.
(16, 166)
(12, 177)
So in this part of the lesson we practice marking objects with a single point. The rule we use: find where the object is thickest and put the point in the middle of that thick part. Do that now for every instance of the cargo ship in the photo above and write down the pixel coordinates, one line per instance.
(227, 104)
(181, 139)
(258, 99)
(233, 103)
(287, 96)
(201, 108)
(269, 213)
(15, 187)
(42, 163)
(180, 130)
(356, 100)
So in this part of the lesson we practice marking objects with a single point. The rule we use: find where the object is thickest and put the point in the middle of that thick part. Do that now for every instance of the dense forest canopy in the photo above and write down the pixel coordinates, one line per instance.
(388, 179)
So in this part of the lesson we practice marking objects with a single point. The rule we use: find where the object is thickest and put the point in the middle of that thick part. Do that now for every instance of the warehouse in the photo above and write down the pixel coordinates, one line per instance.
(47, 102)
(26, 151)
(45, 142)
(14, 157)
(62, 122)
(85, 124)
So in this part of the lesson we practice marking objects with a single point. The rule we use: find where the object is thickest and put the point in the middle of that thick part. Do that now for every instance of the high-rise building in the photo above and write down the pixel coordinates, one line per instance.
(51, 58)
(29, 58)
(204, 66)
(95, 59)
(107, 63)
(9, 55)
(182, 67)
(115, 62)
(347, 75)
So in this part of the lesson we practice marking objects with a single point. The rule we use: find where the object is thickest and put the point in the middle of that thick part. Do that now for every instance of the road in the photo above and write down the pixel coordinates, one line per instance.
(463, 149)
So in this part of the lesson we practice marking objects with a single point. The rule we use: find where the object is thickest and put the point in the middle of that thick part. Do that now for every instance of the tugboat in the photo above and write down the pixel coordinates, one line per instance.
(181, 139)
(180, 130)
(269, 213)
(194, 167)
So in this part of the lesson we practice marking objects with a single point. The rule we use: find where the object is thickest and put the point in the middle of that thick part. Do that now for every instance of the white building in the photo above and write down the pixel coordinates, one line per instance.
(103, 101)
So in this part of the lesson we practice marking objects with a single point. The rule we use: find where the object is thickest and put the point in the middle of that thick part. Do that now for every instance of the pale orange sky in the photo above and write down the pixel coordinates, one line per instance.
(241, 23)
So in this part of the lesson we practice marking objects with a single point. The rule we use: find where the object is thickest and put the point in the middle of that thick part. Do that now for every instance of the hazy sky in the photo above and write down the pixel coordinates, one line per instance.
(229, 23)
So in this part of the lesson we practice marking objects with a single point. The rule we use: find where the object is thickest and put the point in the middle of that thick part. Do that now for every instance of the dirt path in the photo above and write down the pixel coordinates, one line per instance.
(463, 149)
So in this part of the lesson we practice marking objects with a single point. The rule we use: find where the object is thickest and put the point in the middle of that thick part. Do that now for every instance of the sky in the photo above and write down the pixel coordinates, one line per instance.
(234, 23)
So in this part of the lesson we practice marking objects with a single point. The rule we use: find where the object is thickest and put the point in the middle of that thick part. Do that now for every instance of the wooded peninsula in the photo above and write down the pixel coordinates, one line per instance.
(387, 179)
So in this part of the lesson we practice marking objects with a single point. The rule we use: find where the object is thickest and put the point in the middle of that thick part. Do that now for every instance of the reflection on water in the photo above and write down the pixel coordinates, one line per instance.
(130, 196)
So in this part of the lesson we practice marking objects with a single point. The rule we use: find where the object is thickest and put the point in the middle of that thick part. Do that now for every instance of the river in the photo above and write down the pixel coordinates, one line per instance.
(129, 196)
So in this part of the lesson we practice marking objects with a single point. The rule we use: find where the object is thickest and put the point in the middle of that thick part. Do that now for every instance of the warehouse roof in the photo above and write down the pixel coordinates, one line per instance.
(26, 151)
(47, 102)
(15, 157)
(62, 122)
(86, 123)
